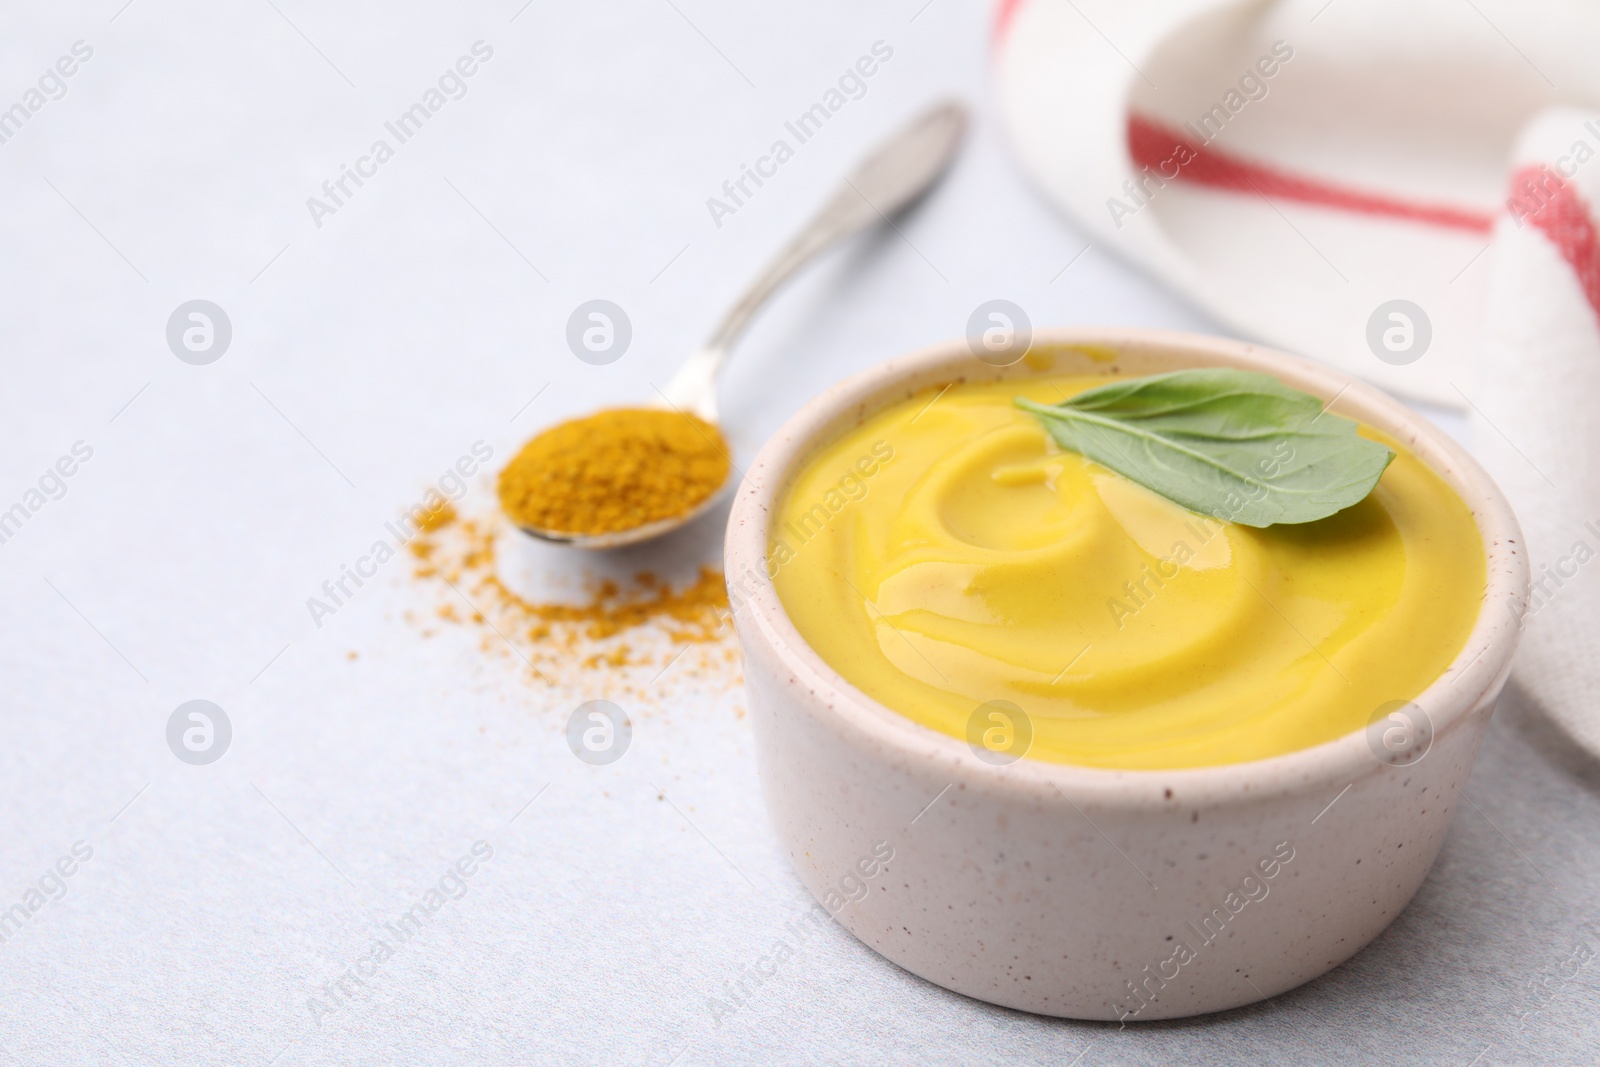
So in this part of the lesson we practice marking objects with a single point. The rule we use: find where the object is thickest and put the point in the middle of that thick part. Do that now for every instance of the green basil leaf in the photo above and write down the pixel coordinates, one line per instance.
(1232, 444)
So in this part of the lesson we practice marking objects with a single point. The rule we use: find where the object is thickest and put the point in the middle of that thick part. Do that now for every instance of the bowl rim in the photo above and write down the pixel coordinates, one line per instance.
(758, 615)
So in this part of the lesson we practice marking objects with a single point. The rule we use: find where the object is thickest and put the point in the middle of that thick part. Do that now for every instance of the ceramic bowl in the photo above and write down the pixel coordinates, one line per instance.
(1092, 893)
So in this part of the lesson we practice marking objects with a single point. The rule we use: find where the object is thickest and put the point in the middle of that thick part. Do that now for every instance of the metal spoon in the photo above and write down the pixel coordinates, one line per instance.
(894, 175)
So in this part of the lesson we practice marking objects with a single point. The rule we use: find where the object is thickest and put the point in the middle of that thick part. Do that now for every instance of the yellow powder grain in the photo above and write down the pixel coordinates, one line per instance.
(438, 517)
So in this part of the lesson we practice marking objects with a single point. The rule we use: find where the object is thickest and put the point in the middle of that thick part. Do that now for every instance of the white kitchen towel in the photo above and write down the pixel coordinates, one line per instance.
(1403, 191)
(1534, 391)
(1345, 154)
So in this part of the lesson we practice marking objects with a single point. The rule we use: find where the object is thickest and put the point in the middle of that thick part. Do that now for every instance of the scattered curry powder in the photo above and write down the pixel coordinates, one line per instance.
(435, 518)
(614, 470)
(558, 640)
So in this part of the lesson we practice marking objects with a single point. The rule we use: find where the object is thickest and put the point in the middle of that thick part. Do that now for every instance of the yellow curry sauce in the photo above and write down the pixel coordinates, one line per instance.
(941, 557)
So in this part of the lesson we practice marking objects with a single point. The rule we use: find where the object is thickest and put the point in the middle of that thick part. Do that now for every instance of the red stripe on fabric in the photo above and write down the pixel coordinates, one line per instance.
(1160, 148)
(1004, 12)
(1539, 196)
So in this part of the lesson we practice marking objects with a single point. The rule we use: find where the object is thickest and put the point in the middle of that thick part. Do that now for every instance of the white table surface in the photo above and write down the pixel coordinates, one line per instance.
(367, 355)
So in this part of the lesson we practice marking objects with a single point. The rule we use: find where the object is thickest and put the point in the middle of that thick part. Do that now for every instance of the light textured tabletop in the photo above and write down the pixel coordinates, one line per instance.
(213, 911)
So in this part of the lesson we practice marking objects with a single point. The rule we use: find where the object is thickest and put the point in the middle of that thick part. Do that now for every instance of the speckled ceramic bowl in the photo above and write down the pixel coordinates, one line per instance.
(1100, 894)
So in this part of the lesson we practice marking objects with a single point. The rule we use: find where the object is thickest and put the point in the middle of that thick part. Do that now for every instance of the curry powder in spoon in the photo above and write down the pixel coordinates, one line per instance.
(614, 470)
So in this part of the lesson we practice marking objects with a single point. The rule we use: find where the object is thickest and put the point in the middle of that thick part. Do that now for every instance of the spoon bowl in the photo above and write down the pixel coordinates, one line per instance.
(634, 534)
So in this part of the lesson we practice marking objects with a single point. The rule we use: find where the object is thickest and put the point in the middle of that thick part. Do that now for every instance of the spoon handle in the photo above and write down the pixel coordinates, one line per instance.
(896, 173)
